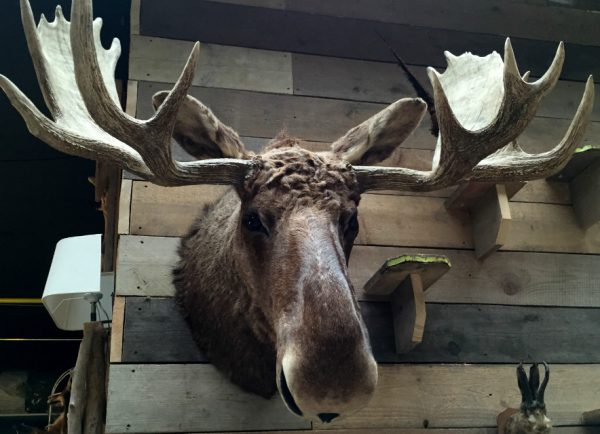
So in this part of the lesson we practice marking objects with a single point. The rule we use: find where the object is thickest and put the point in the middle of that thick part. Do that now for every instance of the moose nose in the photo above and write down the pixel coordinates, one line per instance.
(327, 417)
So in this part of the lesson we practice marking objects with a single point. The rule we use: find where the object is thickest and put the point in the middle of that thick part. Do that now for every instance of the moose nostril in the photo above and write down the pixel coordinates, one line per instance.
(327, 417)
(287, 395)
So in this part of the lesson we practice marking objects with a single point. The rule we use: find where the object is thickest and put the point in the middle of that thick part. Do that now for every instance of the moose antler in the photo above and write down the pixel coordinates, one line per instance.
(76, 76)
(483, 104)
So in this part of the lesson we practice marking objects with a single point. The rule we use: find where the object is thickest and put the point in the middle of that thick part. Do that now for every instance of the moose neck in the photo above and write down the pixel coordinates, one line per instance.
(215, 300)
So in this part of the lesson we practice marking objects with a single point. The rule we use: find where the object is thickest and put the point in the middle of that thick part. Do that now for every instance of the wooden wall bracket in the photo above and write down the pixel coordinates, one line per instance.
(583, 175)
(591, 417)
(489, 209)
(404, 279)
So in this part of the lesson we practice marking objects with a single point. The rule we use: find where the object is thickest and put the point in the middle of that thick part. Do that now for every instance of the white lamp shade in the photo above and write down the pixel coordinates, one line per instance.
(75, 272)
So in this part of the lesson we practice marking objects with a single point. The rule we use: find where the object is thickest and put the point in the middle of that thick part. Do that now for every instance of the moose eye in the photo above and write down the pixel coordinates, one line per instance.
(252, 222)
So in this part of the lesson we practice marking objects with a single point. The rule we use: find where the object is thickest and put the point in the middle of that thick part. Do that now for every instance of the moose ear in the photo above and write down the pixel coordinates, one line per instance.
(200, 133)
(376, 138)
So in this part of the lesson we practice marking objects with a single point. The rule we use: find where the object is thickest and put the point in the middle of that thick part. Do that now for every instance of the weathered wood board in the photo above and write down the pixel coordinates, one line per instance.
(221, 66)
(539, 20)
(453, 334)
(516, 278)
(161, 60)
(183, 398)
(345, 37)
(256, 114)
(385, 220)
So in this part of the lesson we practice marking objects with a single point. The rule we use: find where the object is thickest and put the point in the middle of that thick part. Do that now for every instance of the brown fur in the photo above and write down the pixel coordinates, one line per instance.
(249, 298)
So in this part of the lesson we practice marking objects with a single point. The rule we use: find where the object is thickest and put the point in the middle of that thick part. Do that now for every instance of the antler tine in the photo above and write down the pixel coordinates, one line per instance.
(66, 141)
(512, 163)
(76, 77)
(33, 43)
(152, 138)
(478, 129)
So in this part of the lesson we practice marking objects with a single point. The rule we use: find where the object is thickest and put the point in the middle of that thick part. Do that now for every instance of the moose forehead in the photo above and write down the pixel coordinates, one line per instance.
(291, 177)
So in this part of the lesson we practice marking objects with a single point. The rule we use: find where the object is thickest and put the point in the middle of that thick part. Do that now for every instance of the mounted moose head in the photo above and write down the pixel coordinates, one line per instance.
(263, 279)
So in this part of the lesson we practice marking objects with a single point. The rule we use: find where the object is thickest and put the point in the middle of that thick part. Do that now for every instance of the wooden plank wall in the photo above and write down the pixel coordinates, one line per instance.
(316, 69)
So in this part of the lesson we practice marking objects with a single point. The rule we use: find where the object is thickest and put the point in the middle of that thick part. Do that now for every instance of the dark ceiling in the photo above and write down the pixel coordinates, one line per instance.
(45, 194)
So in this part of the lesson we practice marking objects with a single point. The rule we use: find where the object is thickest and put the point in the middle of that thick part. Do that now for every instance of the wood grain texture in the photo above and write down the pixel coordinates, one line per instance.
(255, 114)
(549, 228)
(539, 20)
(465, 396)
(345, 37)
(184, 398)
(385, 220)
(454, 333)
(363, 80)
(515, 278)
(161, 60)
(116, 331)
(496, 17)
(422, 222)
(221, 66)
(491, 221)
(134, 28)
(124, 210)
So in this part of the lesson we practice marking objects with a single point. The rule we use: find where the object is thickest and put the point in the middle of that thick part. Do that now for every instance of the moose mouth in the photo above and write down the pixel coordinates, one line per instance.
(287, 395)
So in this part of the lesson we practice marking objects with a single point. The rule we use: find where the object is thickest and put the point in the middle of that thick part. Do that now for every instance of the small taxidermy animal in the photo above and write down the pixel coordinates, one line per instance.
(531, 417)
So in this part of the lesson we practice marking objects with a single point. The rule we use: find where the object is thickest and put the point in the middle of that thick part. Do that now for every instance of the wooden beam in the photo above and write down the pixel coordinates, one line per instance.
(455, 333)
(582, 174)
(442, 396)
(346, 37)
(188, 398)
(116, 333)
(256, 114)
(517, 278)
(424, 221)
(408, 310)
(220, 66)
(124, 210)
(539, 20)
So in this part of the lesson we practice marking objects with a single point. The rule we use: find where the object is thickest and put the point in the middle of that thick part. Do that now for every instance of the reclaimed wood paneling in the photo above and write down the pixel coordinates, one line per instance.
(385, 220)
(221, 66)
(124, 207)
(184, 398)
(116, 331)
(543, 22)
(162, 60)
(515, 278)
(549, 228)
(345, 37)
(454, 333)
(170, 211)
(256, 114)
